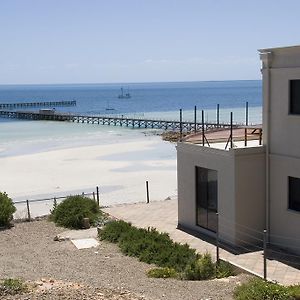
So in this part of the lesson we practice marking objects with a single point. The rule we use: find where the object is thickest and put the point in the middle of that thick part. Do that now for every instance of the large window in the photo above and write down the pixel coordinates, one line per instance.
(294, 193)
(295, 97)
(206, 198)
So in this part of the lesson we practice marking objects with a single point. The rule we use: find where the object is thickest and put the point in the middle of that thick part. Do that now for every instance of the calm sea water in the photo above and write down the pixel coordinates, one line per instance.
(146, 97)
(149, 100)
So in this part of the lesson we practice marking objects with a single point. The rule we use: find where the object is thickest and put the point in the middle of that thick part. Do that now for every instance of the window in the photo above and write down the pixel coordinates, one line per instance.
(294, 193)
(206, 198)
(295, 97)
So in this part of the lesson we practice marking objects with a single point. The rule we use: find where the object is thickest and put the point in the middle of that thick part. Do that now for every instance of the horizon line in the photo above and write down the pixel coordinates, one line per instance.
(125, 83)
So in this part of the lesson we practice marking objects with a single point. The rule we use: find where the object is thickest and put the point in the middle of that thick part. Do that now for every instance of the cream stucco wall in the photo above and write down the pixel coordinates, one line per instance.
(240, 190)
(281, 136)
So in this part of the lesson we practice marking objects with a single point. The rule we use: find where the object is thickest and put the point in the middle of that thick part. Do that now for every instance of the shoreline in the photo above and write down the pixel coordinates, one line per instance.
(120, 169)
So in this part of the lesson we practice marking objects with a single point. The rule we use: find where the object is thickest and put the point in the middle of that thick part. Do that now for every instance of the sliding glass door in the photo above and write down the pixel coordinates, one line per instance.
(206, 198)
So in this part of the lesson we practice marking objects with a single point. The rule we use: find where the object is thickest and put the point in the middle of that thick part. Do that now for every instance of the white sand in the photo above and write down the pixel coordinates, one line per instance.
(120, 170)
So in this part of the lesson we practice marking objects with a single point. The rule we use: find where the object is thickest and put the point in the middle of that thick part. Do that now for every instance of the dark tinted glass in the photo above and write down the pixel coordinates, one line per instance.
(295, 97)
(294, 193)
(206, 198)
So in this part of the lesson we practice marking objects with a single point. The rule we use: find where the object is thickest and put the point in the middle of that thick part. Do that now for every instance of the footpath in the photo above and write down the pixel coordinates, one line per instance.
(163, 216)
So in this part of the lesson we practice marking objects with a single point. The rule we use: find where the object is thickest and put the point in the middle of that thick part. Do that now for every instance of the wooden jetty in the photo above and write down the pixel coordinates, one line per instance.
(174, 125)
(37, 104)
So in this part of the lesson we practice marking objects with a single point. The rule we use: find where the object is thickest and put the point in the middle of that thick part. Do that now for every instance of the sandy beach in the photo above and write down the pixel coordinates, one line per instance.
(120, 169)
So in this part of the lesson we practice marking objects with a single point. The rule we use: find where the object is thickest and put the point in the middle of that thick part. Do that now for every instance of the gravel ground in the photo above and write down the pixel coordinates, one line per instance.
(28, 251)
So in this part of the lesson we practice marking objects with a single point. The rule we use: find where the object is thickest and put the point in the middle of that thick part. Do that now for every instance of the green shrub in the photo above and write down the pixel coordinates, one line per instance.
(149, 246)
(12, 286)
(201, 269)
(71, 212)
(258, 289)
(224, 269)
(7, 209)
(112, 231)
(153, 247)
(162, 273)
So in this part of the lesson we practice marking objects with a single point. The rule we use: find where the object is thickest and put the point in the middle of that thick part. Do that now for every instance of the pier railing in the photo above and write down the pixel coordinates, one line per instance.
(37, 104)
(124, 121)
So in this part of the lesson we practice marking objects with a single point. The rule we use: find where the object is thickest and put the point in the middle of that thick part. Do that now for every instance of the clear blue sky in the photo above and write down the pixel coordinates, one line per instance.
(99, 41)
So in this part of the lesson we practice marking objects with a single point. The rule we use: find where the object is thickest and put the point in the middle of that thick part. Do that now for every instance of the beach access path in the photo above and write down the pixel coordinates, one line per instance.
(163, 216)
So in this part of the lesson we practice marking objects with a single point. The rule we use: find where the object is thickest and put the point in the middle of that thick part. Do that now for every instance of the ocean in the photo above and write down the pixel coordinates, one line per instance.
(125, 157)
(148, 100)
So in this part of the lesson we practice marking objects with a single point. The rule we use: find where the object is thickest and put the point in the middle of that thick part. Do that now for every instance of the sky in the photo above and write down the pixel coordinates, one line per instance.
(112, 41)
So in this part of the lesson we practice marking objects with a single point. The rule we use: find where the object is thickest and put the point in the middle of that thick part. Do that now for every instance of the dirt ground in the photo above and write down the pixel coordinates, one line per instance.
(28, 251)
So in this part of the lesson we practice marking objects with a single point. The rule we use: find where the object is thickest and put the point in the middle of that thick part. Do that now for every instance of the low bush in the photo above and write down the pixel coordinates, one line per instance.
(224, 269)
(149, 246)
(258, 289)
(162, 273)
(12, 286)
(152, 247)
(201, 269)
(113, 231)
(71, 212)
(7, 210)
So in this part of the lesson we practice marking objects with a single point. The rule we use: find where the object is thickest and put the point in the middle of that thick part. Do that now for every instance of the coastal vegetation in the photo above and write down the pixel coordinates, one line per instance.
(71, 212)
(153, 247)
(7, 210)
(12, 286)
(258, 289)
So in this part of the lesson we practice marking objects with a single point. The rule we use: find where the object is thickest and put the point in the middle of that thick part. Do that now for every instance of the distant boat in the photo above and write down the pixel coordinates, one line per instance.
(108, 107)
(124, 95)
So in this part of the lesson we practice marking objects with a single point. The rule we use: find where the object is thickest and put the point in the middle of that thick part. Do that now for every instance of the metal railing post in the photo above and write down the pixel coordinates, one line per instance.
(195, 119)
(217, 240)
(180, 124)
(247, 113)
(203, 142)
(97, 194)
(218, 115)
(147, 191)
(265, 254)
(28, 211)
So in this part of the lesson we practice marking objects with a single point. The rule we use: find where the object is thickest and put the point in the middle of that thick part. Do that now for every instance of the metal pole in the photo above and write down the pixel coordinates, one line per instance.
(202, 127)
(217, 237)
(180, 124)
(245, 137)
(28, 211)
(265, 254)
(231, 137)
(97, 194)
(195, 119)
(247, 113)
(147, 191)
(218, 115)
(260, 136)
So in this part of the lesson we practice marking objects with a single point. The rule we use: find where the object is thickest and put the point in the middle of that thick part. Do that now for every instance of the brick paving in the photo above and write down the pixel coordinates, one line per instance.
(163, 216)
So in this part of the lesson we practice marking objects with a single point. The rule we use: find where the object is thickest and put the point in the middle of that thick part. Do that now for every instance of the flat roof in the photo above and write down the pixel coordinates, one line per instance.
(295, 47)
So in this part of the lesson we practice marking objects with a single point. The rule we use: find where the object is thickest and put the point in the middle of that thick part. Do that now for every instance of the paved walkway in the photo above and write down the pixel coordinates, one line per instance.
(163, 216)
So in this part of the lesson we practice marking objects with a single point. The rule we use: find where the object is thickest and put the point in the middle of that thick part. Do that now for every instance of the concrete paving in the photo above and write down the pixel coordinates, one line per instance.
(85, 243)
(163, 216)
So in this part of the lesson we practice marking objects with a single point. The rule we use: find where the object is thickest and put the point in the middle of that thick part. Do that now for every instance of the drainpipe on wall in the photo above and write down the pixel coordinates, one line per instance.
(266, 58)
